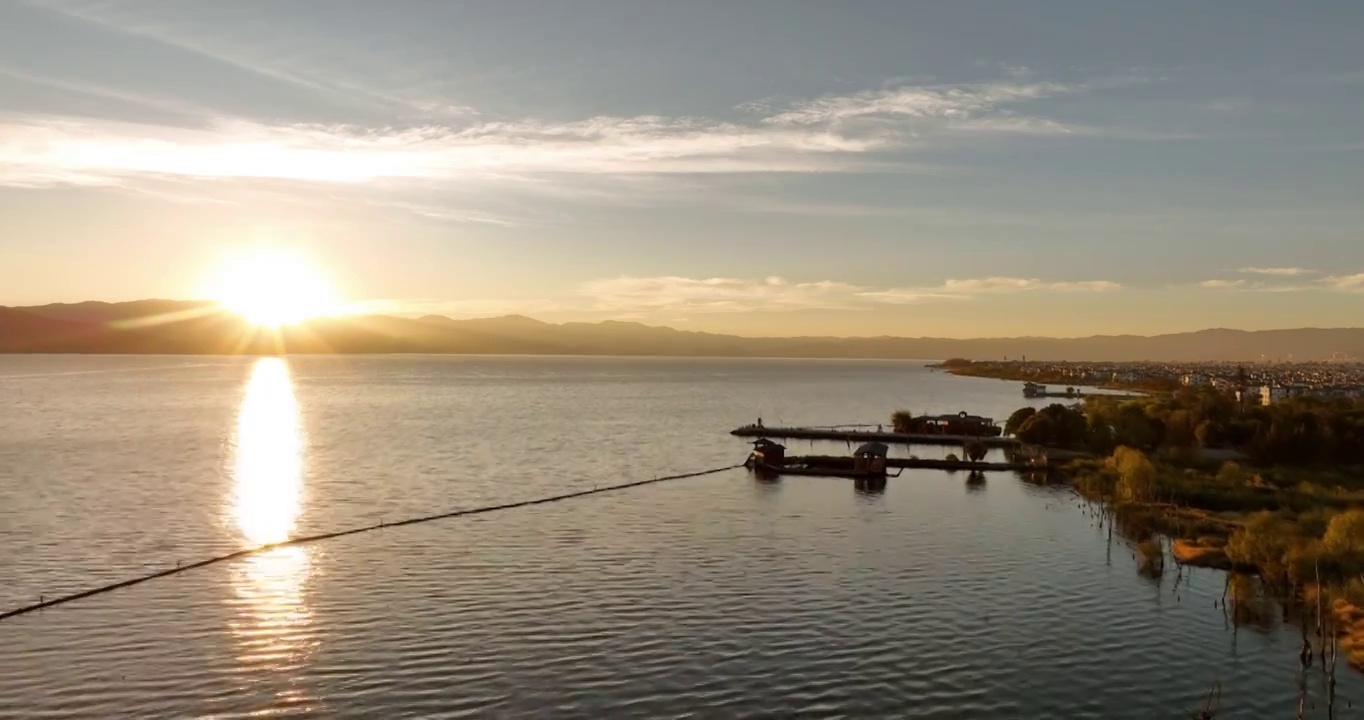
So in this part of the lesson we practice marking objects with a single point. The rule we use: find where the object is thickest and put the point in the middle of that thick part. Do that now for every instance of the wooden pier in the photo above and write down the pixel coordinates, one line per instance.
(835, 465)
(871, 462)
(861, 436)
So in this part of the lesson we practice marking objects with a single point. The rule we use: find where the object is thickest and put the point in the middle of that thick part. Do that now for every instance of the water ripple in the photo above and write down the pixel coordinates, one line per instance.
(715, 597)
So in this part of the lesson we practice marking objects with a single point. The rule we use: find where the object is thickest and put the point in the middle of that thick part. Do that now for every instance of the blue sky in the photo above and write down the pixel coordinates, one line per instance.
(961, 169)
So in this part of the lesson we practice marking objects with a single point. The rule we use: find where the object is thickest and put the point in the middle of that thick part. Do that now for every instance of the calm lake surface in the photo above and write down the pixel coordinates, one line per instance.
(710, 597)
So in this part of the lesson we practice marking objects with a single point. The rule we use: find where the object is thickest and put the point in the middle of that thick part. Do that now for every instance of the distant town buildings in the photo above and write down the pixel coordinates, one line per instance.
(1257, 383)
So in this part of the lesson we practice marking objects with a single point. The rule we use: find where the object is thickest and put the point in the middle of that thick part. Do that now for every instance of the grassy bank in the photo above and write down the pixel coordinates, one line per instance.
(1301, 531)
(1290, 509)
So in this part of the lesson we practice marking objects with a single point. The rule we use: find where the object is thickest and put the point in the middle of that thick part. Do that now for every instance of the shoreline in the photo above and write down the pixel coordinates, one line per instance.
(994, 372)
(1206, 538)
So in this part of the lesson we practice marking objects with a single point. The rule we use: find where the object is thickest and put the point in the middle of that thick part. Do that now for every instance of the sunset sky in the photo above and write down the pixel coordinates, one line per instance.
(860, 168)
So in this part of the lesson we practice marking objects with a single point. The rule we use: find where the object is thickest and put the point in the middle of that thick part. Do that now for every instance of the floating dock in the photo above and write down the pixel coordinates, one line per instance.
(840, 466)
(861, 436)
(871, 462)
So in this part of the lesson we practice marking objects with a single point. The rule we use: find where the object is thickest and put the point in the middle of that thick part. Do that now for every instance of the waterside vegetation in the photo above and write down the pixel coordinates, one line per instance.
(1275, 491)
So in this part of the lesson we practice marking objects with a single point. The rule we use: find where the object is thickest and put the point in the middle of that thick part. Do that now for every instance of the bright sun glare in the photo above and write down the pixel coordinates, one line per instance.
(273, 288)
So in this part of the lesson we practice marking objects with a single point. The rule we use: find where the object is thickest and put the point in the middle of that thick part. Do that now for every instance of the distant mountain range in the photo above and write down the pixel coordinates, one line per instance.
(191, 327)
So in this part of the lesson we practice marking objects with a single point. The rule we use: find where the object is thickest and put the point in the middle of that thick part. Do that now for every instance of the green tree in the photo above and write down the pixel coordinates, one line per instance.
(1038, 429)
(901, 421)
(1135, 428)
(974, 450)
(1179, 430)
(1056, 425)
(1071, 427)
(1016, 420)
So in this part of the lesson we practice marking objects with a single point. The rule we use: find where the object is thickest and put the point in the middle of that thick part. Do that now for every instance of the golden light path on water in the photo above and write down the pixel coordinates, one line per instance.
(271, 621)
(268, 455)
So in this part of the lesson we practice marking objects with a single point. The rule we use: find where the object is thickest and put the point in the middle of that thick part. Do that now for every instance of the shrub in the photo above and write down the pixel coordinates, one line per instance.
(1264, 542)
(1136, 475)
(1150, 557)
(1345, 534)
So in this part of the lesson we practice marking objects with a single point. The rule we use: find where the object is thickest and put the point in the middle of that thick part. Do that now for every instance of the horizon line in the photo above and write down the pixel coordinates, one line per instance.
(420, 316)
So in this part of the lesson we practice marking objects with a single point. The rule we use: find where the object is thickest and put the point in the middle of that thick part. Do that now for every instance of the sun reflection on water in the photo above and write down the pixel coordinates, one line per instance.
(268, 462)
(271, 619)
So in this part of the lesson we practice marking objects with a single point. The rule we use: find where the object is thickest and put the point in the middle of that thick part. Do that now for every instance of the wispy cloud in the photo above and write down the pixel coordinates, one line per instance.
(1025, 126)
(775, 294)
(1286, 280)
(703, 295)
(126, 20)
(53, 150)
(1223, 284)
(946, 102)
(1014, 284)
(909, 296)
(1279, 271)
(831, 134)
(1345, 283)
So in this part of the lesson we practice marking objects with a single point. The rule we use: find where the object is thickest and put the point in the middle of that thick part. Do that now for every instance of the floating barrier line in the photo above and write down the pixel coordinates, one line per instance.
(352, 531)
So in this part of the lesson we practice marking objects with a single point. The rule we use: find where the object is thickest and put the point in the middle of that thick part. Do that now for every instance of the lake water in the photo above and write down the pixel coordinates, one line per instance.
(717, 596)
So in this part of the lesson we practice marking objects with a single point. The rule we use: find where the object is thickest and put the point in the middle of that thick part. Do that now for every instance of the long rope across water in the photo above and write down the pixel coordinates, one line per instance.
(352, 531)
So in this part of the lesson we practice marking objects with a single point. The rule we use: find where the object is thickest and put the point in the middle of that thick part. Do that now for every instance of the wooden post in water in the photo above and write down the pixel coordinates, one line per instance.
(1305, 652)
(1321, 635)
(1331, 671)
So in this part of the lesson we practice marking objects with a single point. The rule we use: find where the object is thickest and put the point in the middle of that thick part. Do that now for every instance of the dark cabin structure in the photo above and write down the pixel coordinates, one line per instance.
(870, 458)
(963, 423)
(767, 454)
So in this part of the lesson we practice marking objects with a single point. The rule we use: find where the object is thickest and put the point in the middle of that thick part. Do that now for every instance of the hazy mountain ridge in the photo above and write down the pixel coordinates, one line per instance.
(195, 327)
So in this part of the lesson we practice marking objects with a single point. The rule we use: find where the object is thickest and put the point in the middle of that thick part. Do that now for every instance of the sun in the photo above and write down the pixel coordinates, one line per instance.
(271, 288)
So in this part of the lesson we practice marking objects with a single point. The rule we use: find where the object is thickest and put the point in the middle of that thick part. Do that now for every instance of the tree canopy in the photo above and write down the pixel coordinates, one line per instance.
(1300, 431)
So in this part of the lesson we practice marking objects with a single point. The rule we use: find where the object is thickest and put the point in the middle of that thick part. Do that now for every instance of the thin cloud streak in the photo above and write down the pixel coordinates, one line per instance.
(832, 134)
(1338, 283)
(958, 102)
(1277, 271)
(59, 151)
(775, 294)
(107, 17)
(1012, 284)
(717, 295)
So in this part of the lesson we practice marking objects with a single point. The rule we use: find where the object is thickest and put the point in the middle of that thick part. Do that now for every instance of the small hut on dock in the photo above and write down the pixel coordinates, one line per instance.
(767, 454)
(870, 458)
